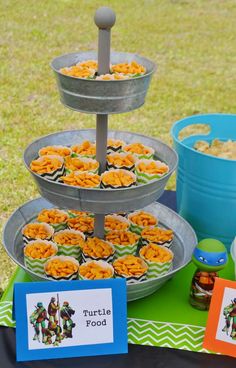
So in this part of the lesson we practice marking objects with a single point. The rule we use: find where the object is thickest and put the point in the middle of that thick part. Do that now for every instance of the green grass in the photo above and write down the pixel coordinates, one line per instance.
(192, 42)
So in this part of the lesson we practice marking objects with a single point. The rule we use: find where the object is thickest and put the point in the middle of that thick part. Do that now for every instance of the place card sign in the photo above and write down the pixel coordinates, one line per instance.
(70, 319)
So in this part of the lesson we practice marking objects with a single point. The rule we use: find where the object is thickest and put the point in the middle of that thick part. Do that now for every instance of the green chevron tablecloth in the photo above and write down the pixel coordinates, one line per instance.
(165, 318)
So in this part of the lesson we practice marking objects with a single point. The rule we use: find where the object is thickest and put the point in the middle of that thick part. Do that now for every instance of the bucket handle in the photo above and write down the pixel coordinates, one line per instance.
(212, 120)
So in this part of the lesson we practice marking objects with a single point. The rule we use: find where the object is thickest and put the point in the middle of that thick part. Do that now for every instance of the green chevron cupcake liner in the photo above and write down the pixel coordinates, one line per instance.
(115, 149)
(122, 155)
(138, 228)
(37, 264)
(166, 244)
(124, 250)
(85, 160)
(118, 218)
(69, 249)
(110, 186)
(79, 213)
(44, 150)
(101, 263)
(72, 276)
(87, 258)
(149, 155)
(83, 156)
(144, 177)
(132, 279)
(56, 174)
(156, 269)
(49, 229)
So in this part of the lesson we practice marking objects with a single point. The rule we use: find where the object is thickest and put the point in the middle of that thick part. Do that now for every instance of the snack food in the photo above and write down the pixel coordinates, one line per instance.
(124, 161)
(85, 224)
(81, 164)
(116, 222)
(159, 259)
(61, 268)
(148, 170)
(223, 149)
(54, 217)
(36, 254)
(141, 219)
(109, 77)
(139, 150)
(132, 69)
(78, 71)
(82, 179)
(125, 242)
(114, 145)
(51, 167)
(114, 179)
(62, 151)
(158, 236)
(97, 249)
(86, 148)
(36, 230)
(75, 213)
(95, 270)
(133, 268)
(69, 242)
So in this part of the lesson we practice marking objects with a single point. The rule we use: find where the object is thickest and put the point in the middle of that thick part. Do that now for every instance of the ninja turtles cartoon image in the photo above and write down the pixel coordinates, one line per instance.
(65, 313)
(53, 330)
(37, 319)
(210, 256)
(230, 319)
(53, 308)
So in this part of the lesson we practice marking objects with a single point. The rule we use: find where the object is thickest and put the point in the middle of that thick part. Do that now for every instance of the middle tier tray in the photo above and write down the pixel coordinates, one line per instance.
(100, 200)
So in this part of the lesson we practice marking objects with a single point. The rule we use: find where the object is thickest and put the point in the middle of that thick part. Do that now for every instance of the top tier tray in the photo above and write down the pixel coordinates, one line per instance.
(100, 200)
(99, 96)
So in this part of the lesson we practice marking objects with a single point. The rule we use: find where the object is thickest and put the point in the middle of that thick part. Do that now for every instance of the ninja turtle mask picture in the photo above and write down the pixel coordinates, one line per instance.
(210, 256)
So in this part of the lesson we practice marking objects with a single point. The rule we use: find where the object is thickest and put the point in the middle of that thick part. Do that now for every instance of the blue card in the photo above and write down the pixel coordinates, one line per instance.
(70, 319)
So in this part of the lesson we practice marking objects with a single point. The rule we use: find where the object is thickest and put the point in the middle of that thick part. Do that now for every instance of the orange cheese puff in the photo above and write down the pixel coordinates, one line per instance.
(38, 230)
(157, 234)
(97, 248)
(85, 148)
(114, 222)
(89, 64)
(96, 270)
(40, 249)
(46, 164)
(143, 218)
(52, 216)
(81, 164)
(82, 179)
(78, 71)
(122, 237)
(129, 68)
(85, 224)
(61, 266)
(55, 150)
(118, 178)
(155, 253)
(129, 266)
(121, 159)
(69, 237)
(138, 148)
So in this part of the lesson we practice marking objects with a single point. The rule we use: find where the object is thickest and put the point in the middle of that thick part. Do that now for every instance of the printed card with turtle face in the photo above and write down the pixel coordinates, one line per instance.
(70, 319)
(220, 333)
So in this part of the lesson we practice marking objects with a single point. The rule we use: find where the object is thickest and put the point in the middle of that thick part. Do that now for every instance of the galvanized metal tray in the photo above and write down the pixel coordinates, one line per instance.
(100, 200)
(98, 96)
(184, 242)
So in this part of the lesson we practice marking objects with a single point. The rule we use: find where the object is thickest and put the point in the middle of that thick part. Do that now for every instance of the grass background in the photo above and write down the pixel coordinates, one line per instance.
(193, 43)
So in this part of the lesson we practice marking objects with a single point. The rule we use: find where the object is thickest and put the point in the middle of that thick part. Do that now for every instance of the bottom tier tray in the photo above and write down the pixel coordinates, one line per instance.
(184, 242)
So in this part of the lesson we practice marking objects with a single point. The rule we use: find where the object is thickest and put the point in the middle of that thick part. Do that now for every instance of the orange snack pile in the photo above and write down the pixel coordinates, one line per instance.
(117, 178)
(89, 64)
(143, 219)
(55, 150)
(79, 213)
(129, 68)
(78, 71)
(82, 179)
(52, 216)
(138, 148)
(115, 223)
(80, 164)
(155, 253)
(85, 224)
(94, 271)
(129, 266)
(67, 237)
(122, 237)
(39, 250)
(152, 167)
(46, 164)
(36, 231)
(85, 148)
(97, 248)
(121, 159)
(60, 268)
(114, 143)
(108, 77)
(156, 234)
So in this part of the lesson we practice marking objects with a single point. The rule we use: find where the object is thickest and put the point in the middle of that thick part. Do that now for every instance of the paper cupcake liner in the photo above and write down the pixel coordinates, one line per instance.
(111, 149)
(132, 279)
(72, 276)
(36, 264)
(27, 239)
(166, 244)
(111, 166)
(86, 258)
(60, 226)
(121, 219)
(56, 174)
(83, 156)
(70, 250)
(124, 250)
(56, 146)
(102, 263)
(137, 228)
(156, 269)
(143, 178)
(73, 215)
(148, 156)
(106, 186)
(85, 160)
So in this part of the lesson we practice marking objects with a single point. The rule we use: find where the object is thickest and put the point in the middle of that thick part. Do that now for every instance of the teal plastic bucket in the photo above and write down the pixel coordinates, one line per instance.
(206, 185)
